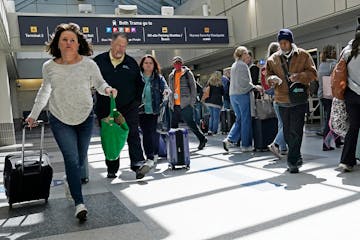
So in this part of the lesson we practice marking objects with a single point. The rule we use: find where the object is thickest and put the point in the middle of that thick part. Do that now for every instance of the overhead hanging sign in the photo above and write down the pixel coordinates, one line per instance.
(37, 30)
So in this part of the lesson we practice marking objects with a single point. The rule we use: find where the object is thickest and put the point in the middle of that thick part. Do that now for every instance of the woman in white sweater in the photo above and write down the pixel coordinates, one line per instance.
(68, 79)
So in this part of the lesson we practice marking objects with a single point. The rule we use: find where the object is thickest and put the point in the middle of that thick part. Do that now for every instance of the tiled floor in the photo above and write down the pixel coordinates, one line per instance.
(231, 195)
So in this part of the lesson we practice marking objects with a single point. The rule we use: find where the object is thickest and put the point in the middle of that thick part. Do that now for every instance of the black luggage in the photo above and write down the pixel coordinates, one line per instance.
(227, 119)
(264, 133)
(27, 175)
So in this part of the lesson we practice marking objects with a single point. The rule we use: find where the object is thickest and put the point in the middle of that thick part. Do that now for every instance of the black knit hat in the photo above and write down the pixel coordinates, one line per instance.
(285, 34)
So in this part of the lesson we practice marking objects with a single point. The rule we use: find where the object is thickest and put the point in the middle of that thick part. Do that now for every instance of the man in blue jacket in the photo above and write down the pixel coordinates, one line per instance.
(123, 73)
(226, 83)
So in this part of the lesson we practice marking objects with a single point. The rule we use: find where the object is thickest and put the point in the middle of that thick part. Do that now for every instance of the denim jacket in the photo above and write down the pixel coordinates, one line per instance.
(158, 86)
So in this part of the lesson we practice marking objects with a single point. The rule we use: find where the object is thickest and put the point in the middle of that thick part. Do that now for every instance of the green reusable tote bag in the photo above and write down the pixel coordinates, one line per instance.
(114, 132)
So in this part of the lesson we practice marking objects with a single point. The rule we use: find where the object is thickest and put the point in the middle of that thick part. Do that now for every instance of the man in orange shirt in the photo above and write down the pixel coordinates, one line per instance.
(183, 86)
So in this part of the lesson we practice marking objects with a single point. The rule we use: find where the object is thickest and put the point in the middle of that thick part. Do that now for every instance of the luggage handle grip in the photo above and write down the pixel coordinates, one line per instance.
(25, 125)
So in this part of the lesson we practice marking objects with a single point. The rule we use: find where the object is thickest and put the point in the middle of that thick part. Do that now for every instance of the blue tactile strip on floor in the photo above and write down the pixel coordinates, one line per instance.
(57, 217)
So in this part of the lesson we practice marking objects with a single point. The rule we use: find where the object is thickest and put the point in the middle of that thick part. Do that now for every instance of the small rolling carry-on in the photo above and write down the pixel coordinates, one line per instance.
(227, 119)
(27, 176)
(178, 153)
(264, 132)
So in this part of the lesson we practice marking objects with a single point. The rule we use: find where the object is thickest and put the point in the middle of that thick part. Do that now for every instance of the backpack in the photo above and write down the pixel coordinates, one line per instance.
(339, 78)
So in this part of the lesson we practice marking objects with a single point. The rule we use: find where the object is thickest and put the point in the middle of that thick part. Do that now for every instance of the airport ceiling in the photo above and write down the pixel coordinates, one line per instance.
(145, 7)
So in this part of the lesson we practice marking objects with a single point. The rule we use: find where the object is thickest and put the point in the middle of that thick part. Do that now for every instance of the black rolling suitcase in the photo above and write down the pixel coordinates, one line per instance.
(27, 175)
(264, 133)
(227, 119)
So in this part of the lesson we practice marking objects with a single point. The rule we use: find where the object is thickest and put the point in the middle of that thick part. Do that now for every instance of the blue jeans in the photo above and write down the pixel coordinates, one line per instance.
(279, 139)
(242, 128)
(73, 141)
(227, 104)
(197, 112)
(214, 119)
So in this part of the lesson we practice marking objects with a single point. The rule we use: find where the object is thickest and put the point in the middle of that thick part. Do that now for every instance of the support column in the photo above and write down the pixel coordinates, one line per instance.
(7, 131)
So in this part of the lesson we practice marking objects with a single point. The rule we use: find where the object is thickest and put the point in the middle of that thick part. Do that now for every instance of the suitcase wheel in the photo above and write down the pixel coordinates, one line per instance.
(187, 167)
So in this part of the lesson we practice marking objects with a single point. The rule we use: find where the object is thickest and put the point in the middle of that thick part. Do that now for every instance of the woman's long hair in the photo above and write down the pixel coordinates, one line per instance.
(215, 79)
(156, 71)
(328, 52)
(52, 48)
(272, 48)
(355, 45)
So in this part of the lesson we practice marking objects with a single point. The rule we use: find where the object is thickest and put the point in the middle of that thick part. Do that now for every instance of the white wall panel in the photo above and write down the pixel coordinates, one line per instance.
(216, 7)
(340, 5)
(241, 21)
(269, 16)
(290, 13)
(309, 9)
(234, 2)
(192, 8)
(227, 4)
(352, 3)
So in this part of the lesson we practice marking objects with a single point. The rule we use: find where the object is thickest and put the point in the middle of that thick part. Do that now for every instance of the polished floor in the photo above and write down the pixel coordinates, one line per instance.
(231, 195)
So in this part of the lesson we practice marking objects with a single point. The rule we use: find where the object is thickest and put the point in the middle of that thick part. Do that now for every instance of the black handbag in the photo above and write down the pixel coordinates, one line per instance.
(298, 92)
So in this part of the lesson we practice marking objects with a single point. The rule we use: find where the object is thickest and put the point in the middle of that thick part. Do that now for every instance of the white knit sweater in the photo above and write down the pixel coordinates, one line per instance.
(67, 88)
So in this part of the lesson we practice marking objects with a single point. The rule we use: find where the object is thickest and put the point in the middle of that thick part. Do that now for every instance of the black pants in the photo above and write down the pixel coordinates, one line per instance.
(131, 116)
(187, 114)
(327, 103)
(293, 124)
(148, 123)
(352, 101)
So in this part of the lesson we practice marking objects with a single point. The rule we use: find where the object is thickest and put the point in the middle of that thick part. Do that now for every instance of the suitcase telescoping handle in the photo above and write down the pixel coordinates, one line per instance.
(25, 125)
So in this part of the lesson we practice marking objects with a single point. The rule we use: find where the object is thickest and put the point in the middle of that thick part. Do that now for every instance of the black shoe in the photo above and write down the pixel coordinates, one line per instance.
(326, 148)
(84, 180)
(142, 171)
(111, 175)
(202, 144)
(321, 134)
(339, 144)
(293, 169)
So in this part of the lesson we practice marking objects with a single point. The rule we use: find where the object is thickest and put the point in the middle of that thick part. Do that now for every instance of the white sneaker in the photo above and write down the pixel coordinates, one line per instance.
(67, 189)
(275, 150)
(247, 149)
(150, 163)
(345, 167)
(81, 212)
(226, 144)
